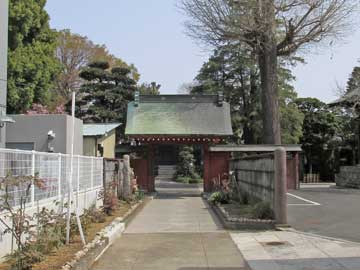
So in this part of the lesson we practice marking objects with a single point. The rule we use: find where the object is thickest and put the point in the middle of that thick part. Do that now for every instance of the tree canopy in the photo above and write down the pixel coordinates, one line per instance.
(32, 66)
(105, 94)
(75, 52)
(149, 88)
(354, 80)
(233, 70)
(320, 135)
(270, 29)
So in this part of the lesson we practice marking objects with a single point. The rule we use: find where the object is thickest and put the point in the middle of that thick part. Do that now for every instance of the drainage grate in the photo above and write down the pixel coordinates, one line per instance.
(275, 243)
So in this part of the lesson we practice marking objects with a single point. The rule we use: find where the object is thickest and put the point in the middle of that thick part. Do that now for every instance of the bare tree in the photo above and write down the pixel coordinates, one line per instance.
(75, 52)
(272, 29)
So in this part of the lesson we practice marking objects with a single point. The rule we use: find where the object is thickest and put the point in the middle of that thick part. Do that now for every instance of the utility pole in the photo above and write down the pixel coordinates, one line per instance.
(4, 18)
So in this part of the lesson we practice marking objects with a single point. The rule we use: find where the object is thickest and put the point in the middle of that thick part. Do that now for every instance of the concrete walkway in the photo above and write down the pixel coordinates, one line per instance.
(293, 250)
(174, 231)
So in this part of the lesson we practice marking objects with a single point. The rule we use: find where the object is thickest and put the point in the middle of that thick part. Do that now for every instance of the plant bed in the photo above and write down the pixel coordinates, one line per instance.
(98, 237)
(235, 216)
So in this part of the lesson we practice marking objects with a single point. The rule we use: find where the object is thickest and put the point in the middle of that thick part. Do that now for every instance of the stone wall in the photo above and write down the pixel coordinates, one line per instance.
(349, 177)
(255, 177)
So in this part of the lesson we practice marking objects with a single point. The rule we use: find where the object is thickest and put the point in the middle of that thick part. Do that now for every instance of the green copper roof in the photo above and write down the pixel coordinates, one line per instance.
(178, 115)
(98, 129)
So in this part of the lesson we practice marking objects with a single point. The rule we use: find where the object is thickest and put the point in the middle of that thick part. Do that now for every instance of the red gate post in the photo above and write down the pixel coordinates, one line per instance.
(207, 180)
(151, 162)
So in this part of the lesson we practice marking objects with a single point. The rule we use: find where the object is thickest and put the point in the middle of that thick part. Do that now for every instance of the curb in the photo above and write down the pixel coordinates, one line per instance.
(319, 236)
(250, 224)
(93, 250)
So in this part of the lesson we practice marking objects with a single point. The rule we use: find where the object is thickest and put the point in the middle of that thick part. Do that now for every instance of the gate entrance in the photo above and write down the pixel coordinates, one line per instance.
(163, 122)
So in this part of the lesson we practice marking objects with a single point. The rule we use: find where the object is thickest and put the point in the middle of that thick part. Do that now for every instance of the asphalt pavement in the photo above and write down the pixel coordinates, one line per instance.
(326, 211)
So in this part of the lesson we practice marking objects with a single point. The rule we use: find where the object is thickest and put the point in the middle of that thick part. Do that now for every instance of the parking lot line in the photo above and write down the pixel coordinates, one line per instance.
(303, 199)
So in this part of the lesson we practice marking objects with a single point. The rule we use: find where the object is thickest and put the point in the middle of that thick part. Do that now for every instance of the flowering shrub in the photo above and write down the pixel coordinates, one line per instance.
(22, 225)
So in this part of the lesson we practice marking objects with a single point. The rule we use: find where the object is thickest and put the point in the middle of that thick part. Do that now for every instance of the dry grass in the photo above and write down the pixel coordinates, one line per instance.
(65, 254)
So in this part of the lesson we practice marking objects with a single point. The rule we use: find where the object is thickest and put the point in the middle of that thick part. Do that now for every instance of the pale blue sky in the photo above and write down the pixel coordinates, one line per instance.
(150, 35)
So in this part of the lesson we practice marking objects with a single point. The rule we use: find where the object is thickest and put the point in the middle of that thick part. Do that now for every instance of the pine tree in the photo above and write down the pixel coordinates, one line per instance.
(105, 96)
(186, 164)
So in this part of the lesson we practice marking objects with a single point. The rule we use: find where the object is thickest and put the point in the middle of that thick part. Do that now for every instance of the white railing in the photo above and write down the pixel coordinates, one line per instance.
(54, 170)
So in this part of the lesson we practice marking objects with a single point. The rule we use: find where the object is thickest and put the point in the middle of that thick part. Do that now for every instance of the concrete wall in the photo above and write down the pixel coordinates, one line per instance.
(4, 10)
(349, 177)
(35, 128)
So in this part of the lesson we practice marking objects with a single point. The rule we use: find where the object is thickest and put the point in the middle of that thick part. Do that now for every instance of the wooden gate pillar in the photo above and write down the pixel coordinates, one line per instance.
(151, 163)
(207, 180)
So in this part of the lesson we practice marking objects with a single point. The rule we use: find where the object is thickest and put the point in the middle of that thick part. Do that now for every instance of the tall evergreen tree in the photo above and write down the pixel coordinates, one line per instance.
(320, 137)
(104, 96)
(233, 70)
(354, 80)
(149, 88)
(32, 63)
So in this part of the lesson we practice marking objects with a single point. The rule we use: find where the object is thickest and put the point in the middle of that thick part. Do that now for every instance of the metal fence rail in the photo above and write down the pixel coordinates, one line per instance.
(54, 170)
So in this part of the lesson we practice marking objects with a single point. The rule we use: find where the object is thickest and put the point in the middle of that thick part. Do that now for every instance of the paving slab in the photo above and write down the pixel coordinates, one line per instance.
(177, 208)
(175, 231)
(293, 250)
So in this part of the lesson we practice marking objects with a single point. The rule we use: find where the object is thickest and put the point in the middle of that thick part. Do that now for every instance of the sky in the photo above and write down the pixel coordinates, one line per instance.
(150, 34)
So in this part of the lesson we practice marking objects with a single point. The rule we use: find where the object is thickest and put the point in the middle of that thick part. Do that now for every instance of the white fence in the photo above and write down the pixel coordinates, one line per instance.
(54, 171)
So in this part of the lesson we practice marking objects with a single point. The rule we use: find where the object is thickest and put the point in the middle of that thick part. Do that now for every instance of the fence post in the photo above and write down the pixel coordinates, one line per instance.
(120, 179)
(78, 182)
(92, 172)
(33, 174)
(59, 176)
(280, 199)
(126, 178)
(104, 179)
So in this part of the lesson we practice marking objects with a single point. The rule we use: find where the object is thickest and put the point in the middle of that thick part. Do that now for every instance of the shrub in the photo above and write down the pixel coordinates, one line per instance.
(23, 228)
(186, 164)
(109, 197)
(51, 231)
(94, 215)
(139, 195)
(219, 197)
(182, 179)
(195, 180)
(244, 198)
(23, 259)
(262, 210)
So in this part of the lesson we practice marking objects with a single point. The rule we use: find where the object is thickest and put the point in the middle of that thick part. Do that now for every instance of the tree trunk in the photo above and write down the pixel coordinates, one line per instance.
(253, 99)
(269, 92)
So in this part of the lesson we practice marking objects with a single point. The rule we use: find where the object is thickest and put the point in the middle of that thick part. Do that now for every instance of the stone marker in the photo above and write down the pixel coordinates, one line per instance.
(126, 175)
(280, 197)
